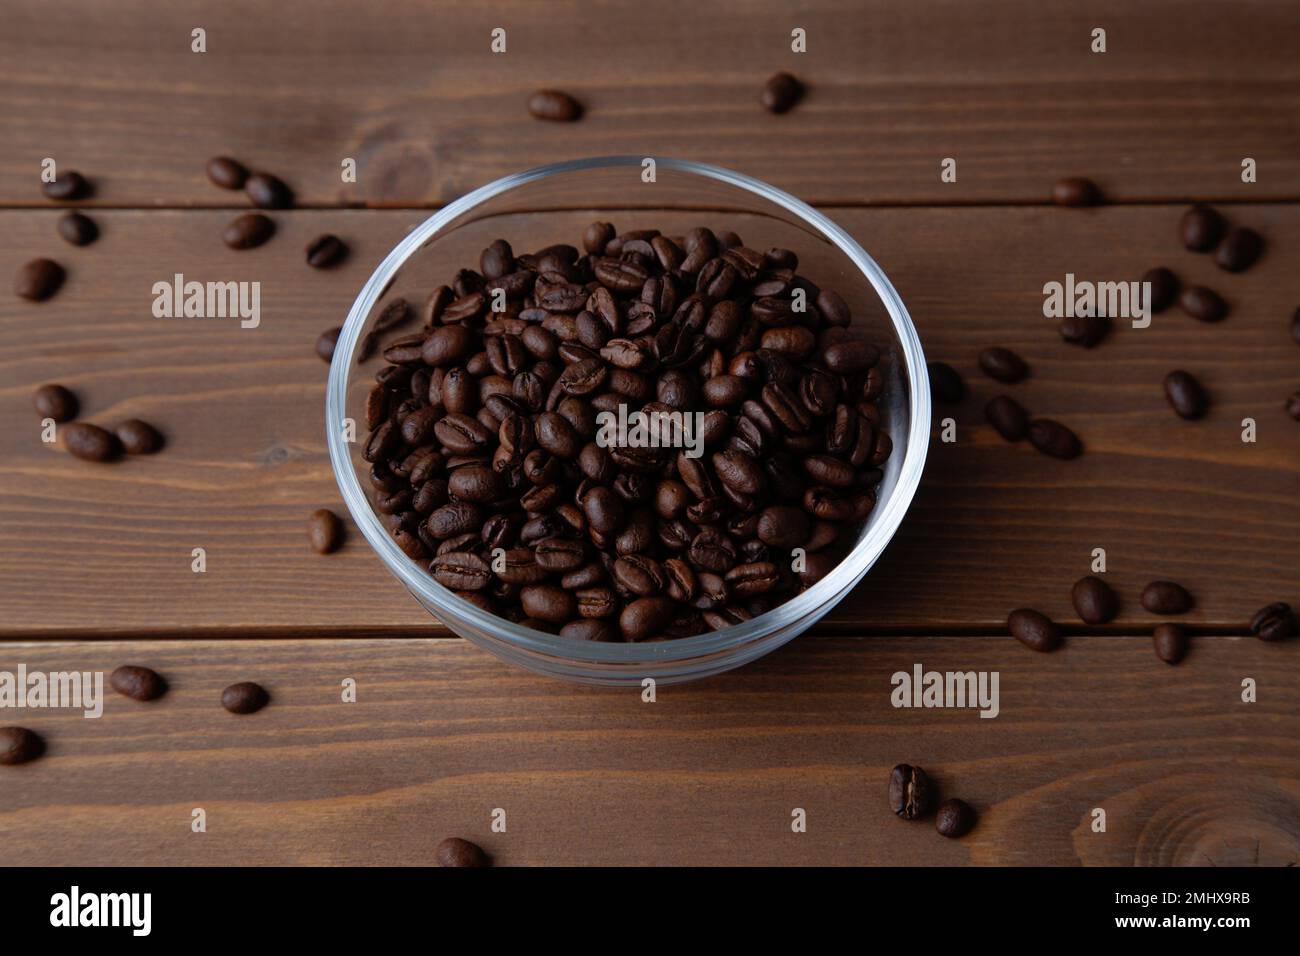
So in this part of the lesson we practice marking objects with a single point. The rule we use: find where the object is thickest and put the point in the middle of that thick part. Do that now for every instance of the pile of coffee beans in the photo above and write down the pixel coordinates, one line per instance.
(484, 425)
(912, 794)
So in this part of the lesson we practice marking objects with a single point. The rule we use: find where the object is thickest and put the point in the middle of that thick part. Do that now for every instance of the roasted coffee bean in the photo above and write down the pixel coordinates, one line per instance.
(1239, 249)
(326, 251)
(248, 231)
(1202, 304)
(748, 580)
(461, 571)
(69, 185)
(90, 442)
(1166, 597)
(1185, 394)
(326, 341)
(1094, 600)
(645, 617)
(1292, 405)
(547, 602)
(454, 851)
(783, 526)
(945, 384)
(1275, 622)
(954, 818)
(139, 683)
(1200, 228)
(1076, 191)
(56, 402)
(1034, 630)
(244, 698)
(1086, 330)
(1008, 417)
(324, 531)
(1170, 642)
(597, 237)
(137, 437)
(38, 280)
(78, 229)
(1295, 325)
(780, 93)
(226, 173)
(19, 745)
(1164, 288)
(268, 192)
(846, 358)
(910, 792)
(639, 574)
(456, 518)
(555, 106)
(1003, 365)
(1052, 438)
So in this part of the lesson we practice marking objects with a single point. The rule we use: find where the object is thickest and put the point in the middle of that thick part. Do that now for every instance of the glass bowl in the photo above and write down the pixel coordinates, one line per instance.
(553, 204)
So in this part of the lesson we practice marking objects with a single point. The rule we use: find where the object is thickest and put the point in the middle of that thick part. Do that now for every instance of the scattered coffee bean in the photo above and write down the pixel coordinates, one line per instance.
(137, 437)
(325, 252)
(1076, 191)
(38, 280)
(555, 106)
(1164, 288)
(910, 792)
(1003, 365)
(1295, 325)
(90, 442)
(1275, 622)
(140, 683)
(1094, 600)
(1034, 630)
(227, 173)
(1201, 228)
(1052, 438)
(1239, 249)
(268, 192)
(954, 818)
(946, 384)
(1008, 417)
(248, 231)
(69, 185)
(1086, 330)
(56, 402)
(1293, 405)
(19, 745)
(780, 93)
(454, 851)
(324, 531)
(326, 342)
(78, 229)
(244, 697)
(1186, 395)
(1166, 597)
(1203, 304)
(1170, 642)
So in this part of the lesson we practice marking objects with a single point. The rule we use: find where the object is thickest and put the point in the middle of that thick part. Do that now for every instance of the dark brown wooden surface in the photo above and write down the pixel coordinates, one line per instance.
(442, 734)
(413, 93)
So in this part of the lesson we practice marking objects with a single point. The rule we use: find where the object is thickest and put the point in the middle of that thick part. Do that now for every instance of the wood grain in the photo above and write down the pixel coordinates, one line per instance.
(442, 733)
(411, 91)
(102, 550)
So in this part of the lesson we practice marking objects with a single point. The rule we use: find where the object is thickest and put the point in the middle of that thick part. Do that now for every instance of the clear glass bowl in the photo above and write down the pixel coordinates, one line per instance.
(553, 204)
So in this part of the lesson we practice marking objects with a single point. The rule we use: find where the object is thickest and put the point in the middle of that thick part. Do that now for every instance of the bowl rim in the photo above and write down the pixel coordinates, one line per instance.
(831, 588)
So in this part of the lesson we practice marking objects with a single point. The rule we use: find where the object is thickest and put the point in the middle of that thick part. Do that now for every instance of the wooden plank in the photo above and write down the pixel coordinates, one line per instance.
(87, 549)
(411, 91)
(442, 733)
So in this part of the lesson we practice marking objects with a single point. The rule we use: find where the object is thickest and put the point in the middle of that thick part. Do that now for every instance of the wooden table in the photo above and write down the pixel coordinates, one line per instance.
(95, 561)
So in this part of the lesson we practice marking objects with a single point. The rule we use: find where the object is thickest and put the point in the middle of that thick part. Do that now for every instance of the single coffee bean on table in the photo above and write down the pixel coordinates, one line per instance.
(1164, 288)
(1054, 439)
(1008, 417)
(555, 106)
(1202, 304)
(78, 229)
(56, 402)
(780, 93)
(324, 531)
(910, 792)
(1094, 600)
(139, 683)
(1076, 191)
(227, 173)
(1292, 405)
(1239, 250)
(325, 252)
(248, 231)
(1003, 365)
(68, 186)
(1033, 629)
(268, 192)
(1200, 228)
(946, 383)
(492, 469)
(137, 437)
(1276, 622)
(1170, 642)
(39, 279)
(1166, 597)
(326, 341)
(244, 697)
(954, 818)
(1186, 395)
(1086, 330)
(90, 442)
(454, 851)
(19, 745)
